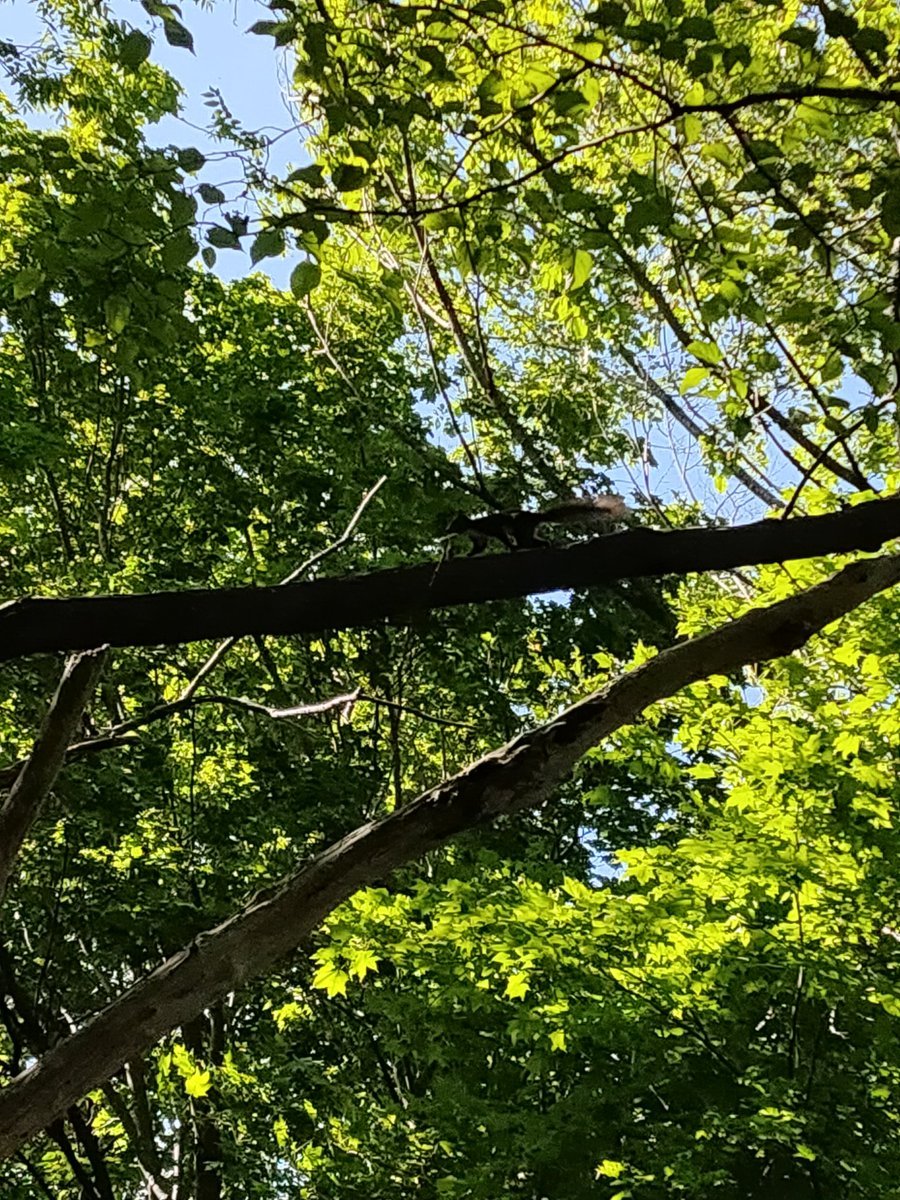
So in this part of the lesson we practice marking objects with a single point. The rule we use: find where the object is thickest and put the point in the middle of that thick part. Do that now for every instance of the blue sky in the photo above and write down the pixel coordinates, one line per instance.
(252, 77)
(240, 64)
(254, 81)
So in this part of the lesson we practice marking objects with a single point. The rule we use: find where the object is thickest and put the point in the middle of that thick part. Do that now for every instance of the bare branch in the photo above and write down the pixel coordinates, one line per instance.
(36, 624)
(479, 367)
(38, 775)
(117, 736)
(686, 421)
(726, 108)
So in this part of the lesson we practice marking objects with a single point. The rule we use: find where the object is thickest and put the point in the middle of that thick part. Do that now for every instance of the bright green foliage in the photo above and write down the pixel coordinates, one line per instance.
(721, 1020)
(679, 978)
(719, 178)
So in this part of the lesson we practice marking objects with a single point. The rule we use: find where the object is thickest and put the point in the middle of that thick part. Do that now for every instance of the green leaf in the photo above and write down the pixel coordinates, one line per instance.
(434, 222)
(437, 61)
(696, 93)
(315, 45)
(847, 744)
(190, 160)
(699, 29)
(692, 128)
(210, 194)
(209, 256)
(363, 149)
(653, 211)
(516, 987)
(611, 15)
(890, 1003)
(266, 28)
(178, 35)
(239, 223)
(707, 352)
(116, 309)
(312, 176)
(158, 8)
(582, 263)
(179, 250)
(27, 282)
(267, 244)
(754, 181)
(740, 383)
(799, 35)
(348, 177)
(739, 55)
(764, 150)
(839, 24)
(721, 152)
(363, 961)
(871, 41)
(817, 118)
(135, 49)
(611, 1168)
(693, 377)
(198, 1084)
(184, 209)
(331, 979)
(890, 212)
(304, 277)
(223, 238)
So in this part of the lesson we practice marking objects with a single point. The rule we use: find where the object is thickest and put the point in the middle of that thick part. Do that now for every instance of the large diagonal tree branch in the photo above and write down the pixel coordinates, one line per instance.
(28, 1034)
(23, 804)
(37, 625)
(520, 775)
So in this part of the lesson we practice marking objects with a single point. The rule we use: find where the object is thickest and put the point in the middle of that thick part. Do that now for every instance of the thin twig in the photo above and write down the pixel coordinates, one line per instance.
(740, 473)
(223, 647)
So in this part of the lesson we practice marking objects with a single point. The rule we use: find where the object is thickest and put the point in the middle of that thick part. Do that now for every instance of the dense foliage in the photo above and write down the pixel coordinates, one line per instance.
(540, 248)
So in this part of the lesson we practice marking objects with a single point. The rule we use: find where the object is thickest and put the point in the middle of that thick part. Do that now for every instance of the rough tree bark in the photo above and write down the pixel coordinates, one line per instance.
(38, 774)
(520, 775)
(326, 605)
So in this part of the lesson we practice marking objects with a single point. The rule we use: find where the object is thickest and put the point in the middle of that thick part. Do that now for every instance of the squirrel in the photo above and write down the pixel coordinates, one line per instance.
(518, 529)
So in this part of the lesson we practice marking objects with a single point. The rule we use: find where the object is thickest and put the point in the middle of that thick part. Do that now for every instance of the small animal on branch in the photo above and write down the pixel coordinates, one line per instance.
(520, 529)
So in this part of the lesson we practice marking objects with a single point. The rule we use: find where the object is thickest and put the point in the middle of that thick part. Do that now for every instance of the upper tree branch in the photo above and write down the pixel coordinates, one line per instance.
(164, 618)
(724, 108)
(520, 775)
(759, 489)
(477, 363)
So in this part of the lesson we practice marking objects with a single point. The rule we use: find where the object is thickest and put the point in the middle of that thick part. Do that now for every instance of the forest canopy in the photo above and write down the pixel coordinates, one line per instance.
(362, 833)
